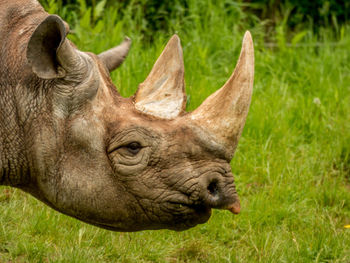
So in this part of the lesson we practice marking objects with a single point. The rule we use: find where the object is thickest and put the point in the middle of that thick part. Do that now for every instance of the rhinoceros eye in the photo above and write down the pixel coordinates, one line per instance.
(133, 147)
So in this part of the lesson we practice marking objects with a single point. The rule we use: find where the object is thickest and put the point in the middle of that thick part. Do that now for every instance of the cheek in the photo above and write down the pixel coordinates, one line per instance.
(84, 175)
(83, 171)
(86, 184)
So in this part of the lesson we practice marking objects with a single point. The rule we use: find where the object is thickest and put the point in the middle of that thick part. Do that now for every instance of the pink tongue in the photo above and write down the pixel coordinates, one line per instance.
(235, 207)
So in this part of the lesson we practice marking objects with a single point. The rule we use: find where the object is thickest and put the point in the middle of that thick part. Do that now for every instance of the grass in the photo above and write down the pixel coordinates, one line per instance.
(292, 165)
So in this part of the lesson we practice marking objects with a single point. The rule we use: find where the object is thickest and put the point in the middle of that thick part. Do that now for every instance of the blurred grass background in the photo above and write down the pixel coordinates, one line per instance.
(292, 165)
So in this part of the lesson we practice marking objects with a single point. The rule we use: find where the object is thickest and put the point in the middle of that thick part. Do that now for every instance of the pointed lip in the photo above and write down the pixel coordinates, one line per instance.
(234, 208)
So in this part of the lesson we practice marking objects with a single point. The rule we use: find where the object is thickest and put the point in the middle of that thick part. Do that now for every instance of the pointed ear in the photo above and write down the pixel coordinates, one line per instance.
(49, 52)
(162, 94)
(114, 57)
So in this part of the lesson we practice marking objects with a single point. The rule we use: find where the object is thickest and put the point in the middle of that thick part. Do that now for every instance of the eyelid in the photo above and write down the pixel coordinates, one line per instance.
(144, 137)
(137, 144)
(124, 146)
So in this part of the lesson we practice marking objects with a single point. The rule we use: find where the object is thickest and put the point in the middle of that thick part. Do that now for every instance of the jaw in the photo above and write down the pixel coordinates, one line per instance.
(189, 217)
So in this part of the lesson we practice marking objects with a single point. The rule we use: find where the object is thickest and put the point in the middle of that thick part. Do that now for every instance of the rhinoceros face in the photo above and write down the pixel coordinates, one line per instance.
(136, 163)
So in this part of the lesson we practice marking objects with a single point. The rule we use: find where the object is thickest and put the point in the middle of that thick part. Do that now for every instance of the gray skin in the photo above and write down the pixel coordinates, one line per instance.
(69, 139)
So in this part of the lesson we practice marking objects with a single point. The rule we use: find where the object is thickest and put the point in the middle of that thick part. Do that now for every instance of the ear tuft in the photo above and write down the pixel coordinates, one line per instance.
(42, 47)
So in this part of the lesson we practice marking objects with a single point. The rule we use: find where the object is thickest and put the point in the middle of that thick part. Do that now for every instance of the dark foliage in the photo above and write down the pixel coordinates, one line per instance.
(317, 13)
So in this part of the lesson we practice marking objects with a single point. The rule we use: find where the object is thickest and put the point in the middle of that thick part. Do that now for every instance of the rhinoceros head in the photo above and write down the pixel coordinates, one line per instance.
(135, 163)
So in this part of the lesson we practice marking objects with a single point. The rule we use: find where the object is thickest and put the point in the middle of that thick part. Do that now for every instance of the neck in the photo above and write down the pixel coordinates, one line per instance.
(12, 154)
(15, 105)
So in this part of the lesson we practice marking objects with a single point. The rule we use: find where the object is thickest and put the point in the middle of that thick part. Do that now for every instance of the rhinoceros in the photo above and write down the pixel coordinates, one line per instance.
(68, 137)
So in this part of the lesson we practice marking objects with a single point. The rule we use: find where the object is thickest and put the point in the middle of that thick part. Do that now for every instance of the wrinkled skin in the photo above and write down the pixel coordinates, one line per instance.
(68, 138)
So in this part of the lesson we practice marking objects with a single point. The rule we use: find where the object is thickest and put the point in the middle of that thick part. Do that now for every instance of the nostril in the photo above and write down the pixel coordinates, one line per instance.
(213, 188)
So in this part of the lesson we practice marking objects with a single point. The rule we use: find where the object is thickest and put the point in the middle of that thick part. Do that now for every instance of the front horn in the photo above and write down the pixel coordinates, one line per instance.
(223, 114)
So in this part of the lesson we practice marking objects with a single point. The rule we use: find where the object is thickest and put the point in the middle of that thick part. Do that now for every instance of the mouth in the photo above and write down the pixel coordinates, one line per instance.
(201, 211)
(186, 215)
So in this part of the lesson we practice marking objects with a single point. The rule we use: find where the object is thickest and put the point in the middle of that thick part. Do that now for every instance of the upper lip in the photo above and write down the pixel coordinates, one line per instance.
(198, 208)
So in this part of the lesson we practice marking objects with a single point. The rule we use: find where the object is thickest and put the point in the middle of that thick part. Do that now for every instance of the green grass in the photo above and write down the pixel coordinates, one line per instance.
(292, 165)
